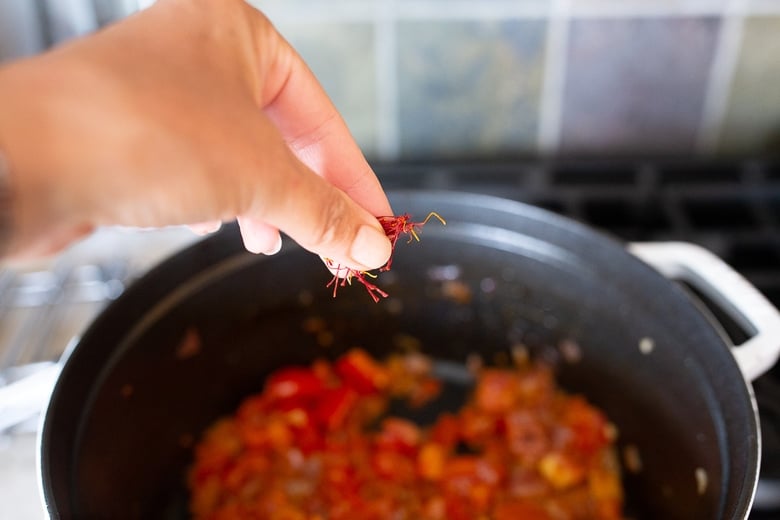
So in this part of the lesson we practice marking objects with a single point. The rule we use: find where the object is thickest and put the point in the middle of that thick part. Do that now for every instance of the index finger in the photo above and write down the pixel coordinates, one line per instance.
(312, 127)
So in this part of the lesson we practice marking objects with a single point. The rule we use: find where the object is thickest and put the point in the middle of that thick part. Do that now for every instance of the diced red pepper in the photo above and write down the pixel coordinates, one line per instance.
(587, 424)
(293, 383)
(334, 405)
(359, 371)
(446, 430)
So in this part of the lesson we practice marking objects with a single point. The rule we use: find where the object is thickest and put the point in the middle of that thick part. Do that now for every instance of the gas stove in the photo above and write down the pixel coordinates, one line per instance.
(730, 207)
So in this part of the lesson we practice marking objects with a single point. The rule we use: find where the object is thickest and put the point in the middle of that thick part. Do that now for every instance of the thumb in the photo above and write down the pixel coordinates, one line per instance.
(323, 219)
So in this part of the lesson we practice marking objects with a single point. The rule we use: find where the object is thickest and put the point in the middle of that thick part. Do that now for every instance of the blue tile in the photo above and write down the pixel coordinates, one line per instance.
(469, 88)
(342, 57)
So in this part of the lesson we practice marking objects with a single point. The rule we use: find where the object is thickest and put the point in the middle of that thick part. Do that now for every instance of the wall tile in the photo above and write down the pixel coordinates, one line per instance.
(342, 57)
(763, 6)
(469, 87)
(302, 6)
(752, 121)
(635, 7)
(636, 85)
(475, 5)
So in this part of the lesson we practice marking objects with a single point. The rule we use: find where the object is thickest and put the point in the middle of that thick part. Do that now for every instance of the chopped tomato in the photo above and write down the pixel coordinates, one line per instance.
(359, 371)
(525, 435)
(587, 424)
(393, 465)
(496, 391)
(334, 406)
(317, 444)
(399, 435)
(446, 430)
(520, 509)
(476, 427)
(293, 383)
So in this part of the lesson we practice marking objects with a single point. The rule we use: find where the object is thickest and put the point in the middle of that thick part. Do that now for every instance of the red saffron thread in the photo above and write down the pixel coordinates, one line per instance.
(394, 227)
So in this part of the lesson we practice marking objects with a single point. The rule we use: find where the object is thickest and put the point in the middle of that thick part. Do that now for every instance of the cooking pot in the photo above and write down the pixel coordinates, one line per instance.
(185, 343)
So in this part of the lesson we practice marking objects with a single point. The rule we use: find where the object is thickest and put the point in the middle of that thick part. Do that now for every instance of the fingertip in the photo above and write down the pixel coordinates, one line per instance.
(262, 246)
(370, 248)
(259, 237)
(276, 247)
(205, 228)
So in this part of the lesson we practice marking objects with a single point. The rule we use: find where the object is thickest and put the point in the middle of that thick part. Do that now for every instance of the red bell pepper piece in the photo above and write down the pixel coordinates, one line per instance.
(359, 371)
(334, 405)
(293, 383)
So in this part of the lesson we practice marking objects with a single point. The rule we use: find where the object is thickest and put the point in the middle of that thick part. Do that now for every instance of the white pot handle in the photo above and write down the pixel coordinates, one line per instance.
(729, 290)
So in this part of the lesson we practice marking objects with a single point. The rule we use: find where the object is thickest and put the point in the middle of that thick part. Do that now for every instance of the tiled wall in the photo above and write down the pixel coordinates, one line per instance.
(508, 78)
(488, 78)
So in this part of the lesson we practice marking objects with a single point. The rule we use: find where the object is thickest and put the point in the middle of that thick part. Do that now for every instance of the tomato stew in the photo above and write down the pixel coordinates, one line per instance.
(318, 443)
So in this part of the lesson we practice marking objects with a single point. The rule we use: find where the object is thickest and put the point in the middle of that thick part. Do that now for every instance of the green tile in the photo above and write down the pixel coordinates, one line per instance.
(469, 88)
(752, 120)
(342, 57)
(317, 11)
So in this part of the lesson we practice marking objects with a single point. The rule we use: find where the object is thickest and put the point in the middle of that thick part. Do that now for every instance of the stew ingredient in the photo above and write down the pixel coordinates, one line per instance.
(317, 444)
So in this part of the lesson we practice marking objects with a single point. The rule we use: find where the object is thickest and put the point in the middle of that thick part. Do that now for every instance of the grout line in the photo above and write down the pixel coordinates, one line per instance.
(317, 12)
(386, 72)
(612, 9)
(724, 63)
(469, 9)
(553, 82)
(297, 11)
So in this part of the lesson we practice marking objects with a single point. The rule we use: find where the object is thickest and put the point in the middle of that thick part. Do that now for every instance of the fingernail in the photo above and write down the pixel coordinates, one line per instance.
(253, 245)
(204, 228)
(371, 247)
(276, 247)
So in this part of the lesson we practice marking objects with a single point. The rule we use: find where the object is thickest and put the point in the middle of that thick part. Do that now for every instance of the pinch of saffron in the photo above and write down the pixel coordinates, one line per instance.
(394, 227)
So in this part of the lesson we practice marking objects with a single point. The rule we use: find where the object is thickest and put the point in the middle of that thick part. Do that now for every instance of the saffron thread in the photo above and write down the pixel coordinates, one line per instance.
(394, 227)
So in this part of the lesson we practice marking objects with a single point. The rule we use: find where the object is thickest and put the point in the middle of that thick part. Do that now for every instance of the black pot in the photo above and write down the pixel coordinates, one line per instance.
(118, 432)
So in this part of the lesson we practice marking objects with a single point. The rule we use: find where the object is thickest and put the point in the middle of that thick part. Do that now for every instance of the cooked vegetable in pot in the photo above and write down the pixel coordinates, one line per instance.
(318, 443)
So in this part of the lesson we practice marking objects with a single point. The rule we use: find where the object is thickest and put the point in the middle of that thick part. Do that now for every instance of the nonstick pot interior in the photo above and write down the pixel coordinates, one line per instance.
(186, 343)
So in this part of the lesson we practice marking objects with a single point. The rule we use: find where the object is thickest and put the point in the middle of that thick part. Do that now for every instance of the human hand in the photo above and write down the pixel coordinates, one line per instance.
(190, 112)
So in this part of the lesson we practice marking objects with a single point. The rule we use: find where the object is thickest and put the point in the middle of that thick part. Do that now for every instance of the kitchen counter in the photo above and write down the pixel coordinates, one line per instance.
(19, 479)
